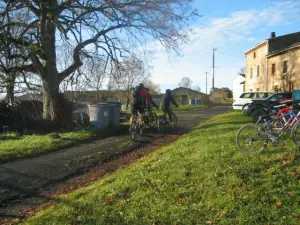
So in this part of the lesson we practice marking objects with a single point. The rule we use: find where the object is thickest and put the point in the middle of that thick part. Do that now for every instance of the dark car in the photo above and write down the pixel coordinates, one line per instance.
(264, 106)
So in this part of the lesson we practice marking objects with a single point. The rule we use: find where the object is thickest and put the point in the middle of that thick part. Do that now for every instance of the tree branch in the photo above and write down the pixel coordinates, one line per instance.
(76, 53)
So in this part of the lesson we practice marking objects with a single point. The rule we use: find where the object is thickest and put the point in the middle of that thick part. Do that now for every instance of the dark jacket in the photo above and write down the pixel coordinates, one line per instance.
(166, 100)
(151, 99)
(140, 97)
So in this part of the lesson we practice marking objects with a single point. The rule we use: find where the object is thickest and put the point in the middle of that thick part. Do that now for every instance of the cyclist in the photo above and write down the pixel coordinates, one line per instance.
(151, 99)
(140, 100)
(165, 103)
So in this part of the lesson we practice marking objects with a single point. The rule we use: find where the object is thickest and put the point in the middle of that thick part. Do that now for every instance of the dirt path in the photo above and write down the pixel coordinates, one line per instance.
(23, 181)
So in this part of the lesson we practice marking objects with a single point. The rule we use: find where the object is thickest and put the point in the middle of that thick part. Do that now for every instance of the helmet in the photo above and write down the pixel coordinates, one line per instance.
(168, 91)
(137, 88)
(141, 85)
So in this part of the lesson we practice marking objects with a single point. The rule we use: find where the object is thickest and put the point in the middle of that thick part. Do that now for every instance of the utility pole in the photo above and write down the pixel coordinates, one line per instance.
(206, 82)
(213, 78)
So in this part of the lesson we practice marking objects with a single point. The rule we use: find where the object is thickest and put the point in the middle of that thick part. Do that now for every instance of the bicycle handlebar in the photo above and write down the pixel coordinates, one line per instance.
(279, 106)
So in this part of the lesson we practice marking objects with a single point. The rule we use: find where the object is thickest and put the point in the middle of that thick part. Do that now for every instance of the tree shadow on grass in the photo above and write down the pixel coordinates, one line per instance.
(8, 137)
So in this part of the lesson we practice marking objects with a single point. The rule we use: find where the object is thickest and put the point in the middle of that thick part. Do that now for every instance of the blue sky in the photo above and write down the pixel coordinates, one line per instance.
(231, 26)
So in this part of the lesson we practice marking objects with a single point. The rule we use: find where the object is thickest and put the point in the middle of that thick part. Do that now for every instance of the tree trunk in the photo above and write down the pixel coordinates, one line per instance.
(10, 90)
(49, 74)
(127, 103)
(50, 95)
(10, 87)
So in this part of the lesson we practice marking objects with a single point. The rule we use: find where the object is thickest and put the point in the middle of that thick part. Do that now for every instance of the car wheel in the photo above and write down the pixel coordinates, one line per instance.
(257, 113)
(245, 107)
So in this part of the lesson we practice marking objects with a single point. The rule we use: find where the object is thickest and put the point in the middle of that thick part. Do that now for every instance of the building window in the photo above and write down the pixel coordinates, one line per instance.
(257, 70)
(273, 69)
(251, 72)
(291, 86)
(276, 88)
(257, 89)
(285, 66)
(254, 55)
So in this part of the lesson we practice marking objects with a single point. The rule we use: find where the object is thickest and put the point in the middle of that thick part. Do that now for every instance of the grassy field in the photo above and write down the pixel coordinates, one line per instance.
(200, 179)
(13, 146)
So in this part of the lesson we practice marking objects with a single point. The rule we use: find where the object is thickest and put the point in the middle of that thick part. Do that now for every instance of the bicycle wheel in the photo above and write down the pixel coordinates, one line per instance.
(162, 123)
(152, 120)
(133, 130)
(296, 134)
(141, 128)
(174, 119)
(251, 138)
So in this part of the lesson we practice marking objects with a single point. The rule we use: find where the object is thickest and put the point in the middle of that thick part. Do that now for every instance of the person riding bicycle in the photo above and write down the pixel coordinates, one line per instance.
(151, 99)
(140, 100)
(165, 103)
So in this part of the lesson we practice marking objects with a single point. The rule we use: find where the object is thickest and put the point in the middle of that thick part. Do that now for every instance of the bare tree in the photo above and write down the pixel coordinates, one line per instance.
(112, 27)
(197, 88)
(129, 74)
(10, 57)
(242, 70)
(153, 88)
(95, 71)
(185, 82)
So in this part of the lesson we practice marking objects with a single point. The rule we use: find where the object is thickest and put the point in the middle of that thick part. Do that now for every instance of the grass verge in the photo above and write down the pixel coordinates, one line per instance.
(200, 179)
(13, 146)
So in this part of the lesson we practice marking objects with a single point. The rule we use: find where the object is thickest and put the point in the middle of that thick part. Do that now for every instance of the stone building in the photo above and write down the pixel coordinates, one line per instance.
(274, 64)
(182, 96)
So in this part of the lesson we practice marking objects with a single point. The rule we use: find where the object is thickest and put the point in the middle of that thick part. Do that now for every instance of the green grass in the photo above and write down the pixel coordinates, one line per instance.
(13, 146)
(200, 179)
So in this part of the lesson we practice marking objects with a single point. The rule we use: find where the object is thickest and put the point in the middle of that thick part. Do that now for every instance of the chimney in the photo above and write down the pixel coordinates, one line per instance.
(273, 35)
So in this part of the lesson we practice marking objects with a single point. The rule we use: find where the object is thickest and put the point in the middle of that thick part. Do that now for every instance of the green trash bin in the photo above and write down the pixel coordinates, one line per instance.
(99, 115)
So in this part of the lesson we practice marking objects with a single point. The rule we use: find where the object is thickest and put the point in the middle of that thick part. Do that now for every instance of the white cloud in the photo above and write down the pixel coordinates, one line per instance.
(224, 33)
(251, 39)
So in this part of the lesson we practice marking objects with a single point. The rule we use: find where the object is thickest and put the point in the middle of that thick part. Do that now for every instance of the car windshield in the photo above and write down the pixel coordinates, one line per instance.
(247, 95)
(274, 97)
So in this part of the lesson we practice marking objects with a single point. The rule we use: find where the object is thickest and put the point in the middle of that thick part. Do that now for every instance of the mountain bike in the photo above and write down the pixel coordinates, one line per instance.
(136, 126)
(150, 118)
(164, 122)
(254, 138)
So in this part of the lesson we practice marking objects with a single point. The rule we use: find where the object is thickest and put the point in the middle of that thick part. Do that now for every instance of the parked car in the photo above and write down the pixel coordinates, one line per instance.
(262, 107)
(247, 97)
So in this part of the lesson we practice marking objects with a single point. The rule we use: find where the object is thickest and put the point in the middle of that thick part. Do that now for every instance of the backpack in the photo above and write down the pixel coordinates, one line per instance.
(136, 97)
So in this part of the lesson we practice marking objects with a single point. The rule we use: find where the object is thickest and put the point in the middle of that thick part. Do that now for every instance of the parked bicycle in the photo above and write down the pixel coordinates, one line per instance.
(164, 121)
(254, 138)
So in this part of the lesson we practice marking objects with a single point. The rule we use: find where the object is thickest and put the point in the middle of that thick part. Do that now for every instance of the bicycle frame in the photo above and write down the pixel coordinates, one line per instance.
(290, 122)
(283, 111)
